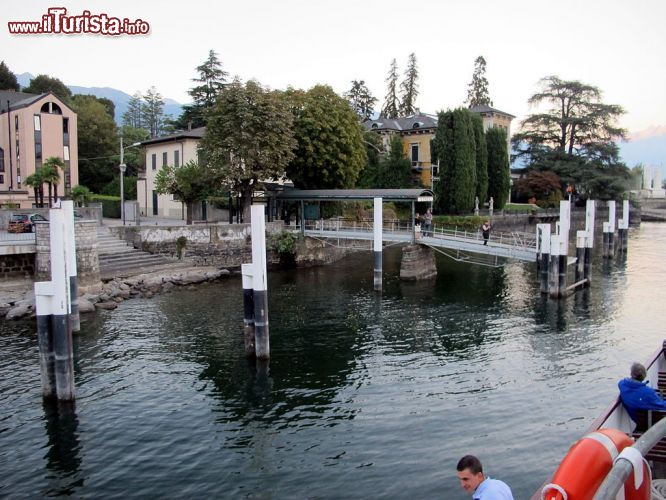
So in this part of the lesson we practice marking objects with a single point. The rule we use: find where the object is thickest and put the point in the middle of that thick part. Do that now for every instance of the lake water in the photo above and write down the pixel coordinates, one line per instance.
(367, 395)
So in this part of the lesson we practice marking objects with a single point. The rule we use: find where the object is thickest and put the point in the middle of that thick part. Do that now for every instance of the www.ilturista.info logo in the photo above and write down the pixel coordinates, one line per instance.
(56, 21)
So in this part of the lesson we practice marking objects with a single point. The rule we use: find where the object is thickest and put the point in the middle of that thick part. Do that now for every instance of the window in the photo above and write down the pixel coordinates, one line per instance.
(65, 125)
(38, 123)
(176, 158)
(51, 108)
(154, 161)
(164, 159)
(65, 153)
(415, 153)
(2, 160)
(2, 178)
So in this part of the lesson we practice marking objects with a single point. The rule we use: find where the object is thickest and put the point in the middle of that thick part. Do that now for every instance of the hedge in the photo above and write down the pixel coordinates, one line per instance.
(110, 205)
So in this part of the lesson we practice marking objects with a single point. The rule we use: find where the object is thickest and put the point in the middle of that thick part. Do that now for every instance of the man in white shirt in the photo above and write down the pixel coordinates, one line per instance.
(474, 482)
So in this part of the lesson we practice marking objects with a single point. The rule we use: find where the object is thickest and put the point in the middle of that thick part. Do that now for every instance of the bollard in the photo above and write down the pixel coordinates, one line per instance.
(606, 241)
(553, 268)
(248, 309)
(623, 228)
(377, 244)
(259, 283)
(581, 237)
(609, 232)
(589, 241)
(74, 318)
(543, 241)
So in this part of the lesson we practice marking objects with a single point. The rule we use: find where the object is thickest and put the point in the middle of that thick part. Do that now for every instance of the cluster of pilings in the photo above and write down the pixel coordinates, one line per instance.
(553, 249)
(255, 291)
(56, 306)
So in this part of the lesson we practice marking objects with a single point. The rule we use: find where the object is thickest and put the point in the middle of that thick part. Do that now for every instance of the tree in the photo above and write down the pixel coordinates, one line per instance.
(454, 147)
(249, 138)
(481, 159)
(133, 157)
(153, 112)
(8, 79)
(367, 177)
(211, 78)
(539, 185)
(36, 183)
(391, 102)
(499, 175)
(329, 150)
(133, 117)
(50, 174)
(409, 88)
(81, 195)
(395, 170)
(477, 90)
(361, 99)
(188, 183)
(42, 84)
(97, 143)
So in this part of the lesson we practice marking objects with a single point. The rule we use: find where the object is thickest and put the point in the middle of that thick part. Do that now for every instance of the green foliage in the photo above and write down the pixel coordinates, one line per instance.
(249, 137)
(361, 100)
(330, 151)
(551, 201)
(499, 175)
(467, 223)
(395, 169)
(97, 142)
(42, 84)
(8, 79)
(373, 146)
(181, 243)
(133, 156)
(283, 243)
(129, 187)
(81, 195)
(454, 147)
(49, 173)
(477, 90)
(481, 159)
(152, 115)
(133, 117)
(391, 102)
(409, 88)
(110, 205)
(189, 183)
(539, 185)
(36, 183)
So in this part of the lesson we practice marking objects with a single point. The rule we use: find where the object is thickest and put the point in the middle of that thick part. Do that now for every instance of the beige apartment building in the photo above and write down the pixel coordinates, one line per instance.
(33, 128)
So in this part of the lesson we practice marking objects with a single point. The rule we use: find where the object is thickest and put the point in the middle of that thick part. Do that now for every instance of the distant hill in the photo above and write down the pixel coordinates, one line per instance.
(172, 108)
(648, 151)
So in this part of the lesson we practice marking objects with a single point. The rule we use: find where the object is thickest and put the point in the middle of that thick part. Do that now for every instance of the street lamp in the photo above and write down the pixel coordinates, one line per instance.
(123, 168)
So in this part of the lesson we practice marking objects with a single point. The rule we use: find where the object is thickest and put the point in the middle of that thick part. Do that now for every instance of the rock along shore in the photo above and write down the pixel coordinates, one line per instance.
(19, 301)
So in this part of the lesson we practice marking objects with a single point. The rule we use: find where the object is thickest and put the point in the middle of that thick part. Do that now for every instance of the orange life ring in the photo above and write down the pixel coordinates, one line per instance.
(586, 465)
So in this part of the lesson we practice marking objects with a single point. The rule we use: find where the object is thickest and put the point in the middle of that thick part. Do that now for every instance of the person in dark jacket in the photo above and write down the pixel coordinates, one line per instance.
(637, 395)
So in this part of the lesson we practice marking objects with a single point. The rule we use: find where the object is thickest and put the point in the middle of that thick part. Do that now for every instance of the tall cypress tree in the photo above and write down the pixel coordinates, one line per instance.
(477, 91)
(390, 109)
(499, 175)
(409, 87)
(481, 159)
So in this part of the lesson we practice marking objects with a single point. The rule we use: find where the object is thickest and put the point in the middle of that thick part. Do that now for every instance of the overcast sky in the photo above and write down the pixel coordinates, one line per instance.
(616, 45)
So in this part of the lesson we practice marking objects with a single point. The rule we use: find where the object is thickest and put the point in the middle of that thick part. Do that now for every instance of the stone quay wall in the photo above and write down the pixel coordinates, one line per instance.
(87, 259)
(18, 265)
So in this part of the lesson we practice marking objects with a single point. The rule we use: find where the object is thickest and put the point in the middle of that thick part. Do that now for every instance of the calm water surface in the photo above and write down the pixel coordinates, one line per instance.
(366, 396)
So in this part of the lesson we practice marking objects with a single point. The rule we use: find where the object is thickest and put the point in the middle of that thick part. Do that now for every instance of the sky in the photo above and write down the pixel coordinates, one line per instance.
(616, 45)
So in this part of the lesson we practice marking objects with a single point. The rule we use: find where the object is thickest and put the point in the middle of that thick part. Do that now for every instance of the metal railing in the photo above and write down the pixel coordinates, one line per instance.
(7, 238)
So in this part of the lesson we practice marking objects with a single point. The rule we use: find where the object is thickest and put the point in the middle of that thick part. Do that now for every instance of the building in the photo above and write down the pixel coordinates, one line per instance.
(416, 132)
(175, 150)
(33, 128)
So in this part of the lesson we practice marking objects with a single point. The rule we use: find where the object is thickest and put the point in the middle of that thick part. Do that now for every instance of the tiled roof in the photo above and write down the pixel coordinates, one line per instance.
(195, 133)
(482, 108)
(402, 123)
(17, 99)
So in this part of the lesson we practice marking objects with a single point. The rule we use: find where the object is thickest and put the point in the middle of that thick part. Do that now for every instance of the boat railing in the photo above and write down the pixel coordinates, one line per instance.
(623, 467)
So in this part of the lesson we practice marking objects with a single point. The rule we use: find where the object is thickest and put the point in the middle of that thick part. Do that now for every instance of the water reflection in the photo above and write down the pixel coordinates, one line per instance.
(63, 456)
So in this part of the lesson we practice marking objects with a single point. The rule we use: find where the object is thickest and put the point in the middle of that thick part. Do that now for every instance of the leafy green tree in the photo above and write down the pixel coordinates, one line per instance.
(395, 170)
(133, 117)
(409, 88)
(97, 142)
(189, 183)
(330, 151)
(50, 174)
(36, 183)
(361, 99)
(129, 187)
(249, 138)
(539, 185)
(42, 84)
(391, 101)
(8, 79)
(499, 175)
(481, 158)
(367, 178)
(477, 90)
(152, 111)
(454, 147)
(81, 195)
(133, 157)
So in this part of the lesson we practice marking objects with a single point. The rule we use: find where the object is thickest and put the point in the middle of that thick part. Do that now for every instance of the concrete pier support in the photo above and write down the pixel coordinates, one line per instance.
(418, 263)
(74, 318)
(609, 232)
(248, 309)
(623, 228)
(259, 283)
(543, 255)
(554, 267)
(581, 237)
(590, 211)
(377, 242)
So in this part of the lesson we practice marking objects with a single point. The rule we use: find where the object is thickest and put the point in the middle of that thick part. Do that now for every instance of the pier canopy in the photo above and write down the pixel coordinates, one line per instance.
(408, 195)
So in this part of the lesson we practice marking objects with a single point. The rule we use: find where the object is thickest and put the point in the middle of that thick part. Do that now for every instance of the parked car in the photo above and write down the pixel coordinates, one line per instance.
(24, 223)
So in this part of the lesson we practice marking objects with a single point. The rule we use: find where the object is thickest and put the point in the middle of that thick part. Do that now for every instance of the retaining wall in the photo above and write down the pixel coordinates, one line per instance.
(22, 265)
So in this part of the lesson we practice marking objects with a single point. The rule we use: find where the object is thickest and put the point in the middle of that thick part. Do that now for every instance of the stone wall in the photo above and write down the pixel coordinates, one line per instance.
(418, 263)
(87, 260)
(22, 265)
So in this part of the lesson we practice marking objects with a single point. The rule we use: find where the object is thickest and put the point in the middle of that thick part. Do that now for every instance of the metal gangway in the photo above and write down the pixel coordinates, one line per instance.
(458, 244)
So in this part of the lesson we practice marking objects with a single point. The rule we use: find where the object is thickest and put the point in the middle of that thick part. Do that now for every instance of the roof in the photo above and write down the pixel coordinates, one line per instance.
(403, 123)
(356, 194)
(195, 133)
(482, 108)
(17, 99)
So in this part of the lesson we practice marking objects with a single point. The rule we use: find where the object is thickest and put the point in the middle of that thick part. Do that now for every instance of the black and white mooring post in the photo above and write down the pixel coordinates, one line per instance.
(543, 255)
(554, 266)
(609, 232)
(74, 318)
(581, 240)
(623, 228)
(377, 243)
(259, 283)
(248, 309)
(53, 306)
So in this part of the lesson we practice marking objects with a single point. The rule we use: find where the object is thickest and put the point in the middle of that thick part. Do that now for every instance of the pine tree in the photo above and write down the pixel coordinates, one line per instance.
(7, 78)
(211, 78)
(361, 99)
(409, 87)
(477, 91)
(390, 109)
(133, 117)
(152, 113)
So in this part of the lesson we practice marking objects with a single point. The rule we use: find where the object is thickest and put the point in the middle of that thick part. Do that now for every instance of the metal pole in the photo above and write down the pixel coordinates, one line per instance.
(259, 283)
(377, 231)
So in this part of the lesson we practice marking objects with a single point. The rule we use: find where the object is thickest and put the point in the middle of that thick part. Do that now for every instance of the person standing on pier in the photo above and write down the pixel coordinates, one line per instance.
(485, 230)
(427, 224)
(637, 395)
(476, 483)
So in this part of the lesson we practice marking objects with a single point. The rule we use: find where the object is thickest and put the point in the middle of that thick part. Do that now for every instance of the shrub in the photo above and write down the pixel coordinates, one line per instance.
(468, 223)
(110, 205)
